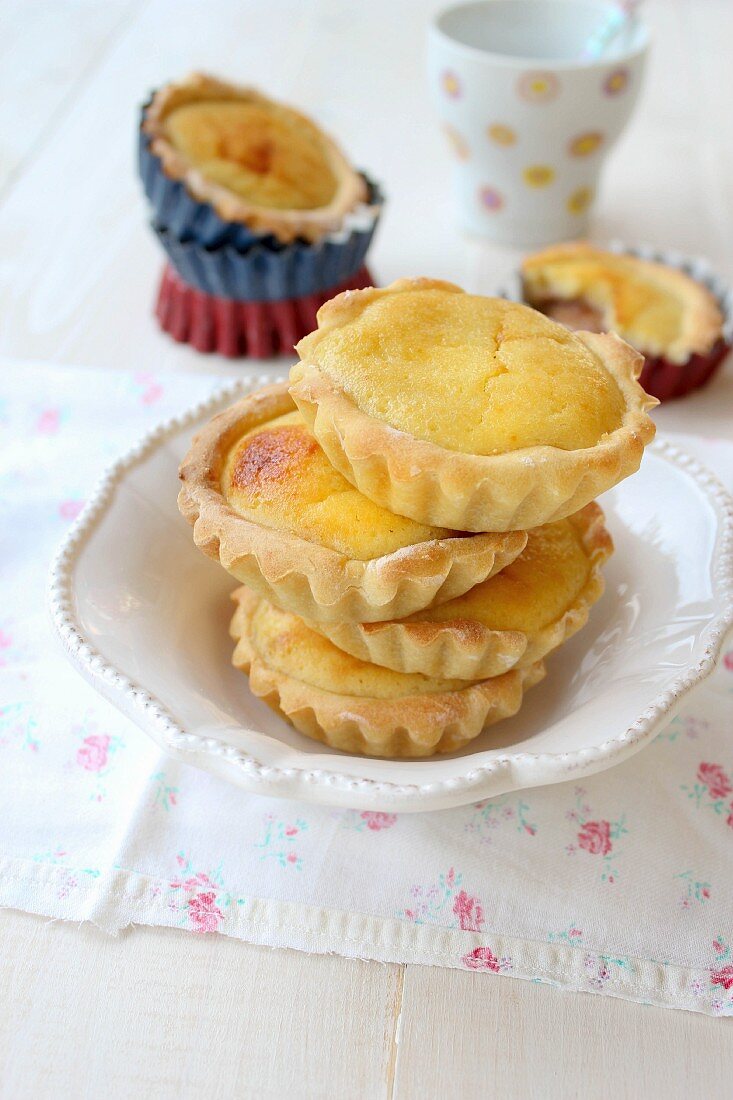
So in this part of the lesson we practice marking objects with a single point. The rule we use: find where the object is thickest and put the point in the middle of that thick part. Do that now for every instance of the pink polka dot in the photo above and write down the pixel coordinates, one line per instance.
(490, 199)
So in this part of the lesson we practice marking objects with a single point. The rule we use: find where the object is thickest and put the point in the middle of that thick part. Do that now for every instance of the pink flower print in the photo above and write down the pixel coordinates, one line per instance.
(728, 660)
(715, 779)
(729, 818)
(376, 821)
(94, 752)
(469, 912)
(481, 958)
(70, 509)
(595, 837)
(48, 422)
(204, 913)
(291, 857)
(152, 393)
(723, 977)
(152, 390)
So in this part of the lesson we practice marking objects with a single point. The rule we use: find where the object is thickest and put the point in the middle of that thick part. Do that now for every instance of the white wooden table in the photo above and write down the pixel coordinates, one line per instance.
(162, 1013)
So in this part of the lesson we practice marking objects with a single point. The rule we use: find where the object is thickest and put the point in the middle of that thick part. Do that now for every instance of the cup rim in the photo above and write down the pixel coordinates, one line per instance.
(522, 62)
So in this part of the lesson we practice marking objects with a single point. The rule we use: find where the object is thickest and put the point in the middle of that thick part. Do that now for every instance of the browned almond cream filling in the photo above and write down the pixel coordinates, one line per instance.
(536, 589)
(478, 375)
(278, 476)
(264, 153)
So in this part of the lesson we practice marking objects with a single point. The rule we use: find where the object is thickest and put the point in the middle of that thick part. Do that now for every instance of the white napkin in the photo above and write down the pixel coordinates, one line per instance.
(620, 886)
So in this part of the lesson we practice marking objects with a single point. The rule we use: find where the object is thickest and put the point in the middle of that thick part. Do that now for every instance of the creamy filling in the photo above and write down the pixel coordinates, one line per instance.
(278, 475)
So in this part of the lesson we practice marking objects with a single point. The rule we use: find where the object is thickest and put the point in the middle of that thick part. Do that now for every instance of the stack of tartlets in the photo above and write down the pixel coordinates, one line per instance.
(260, 214)
(412, 517)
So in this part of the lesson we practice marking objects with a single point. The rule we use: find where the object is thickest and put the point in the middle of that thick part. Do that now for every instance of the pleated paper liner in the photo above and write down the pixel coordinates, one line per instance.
(660, 377)
(237, 329)
(267, 272)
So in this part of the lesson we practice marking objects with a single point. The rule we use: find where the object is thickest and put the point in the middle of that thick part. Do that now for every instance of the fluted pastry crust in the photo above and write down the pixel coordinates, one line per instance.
(657, 308)
(468, 649)
(515, 489)
(411, 725)
(310, 224)
(307, 577)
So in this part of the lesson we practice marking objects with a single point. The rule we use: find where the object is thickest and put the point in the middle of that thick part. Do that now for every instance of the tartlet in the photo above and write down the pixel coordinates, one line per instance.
(668, 316)
(472, 413)
(359, 707)
(264, 501)
(513, 619)
(261, 216)
(257, 163)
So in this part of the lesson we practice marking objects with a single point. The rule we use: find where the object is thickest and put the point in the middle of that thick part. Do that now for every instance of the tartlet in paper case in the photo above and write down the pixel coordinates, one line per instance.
(673, 310)
(225, 164)
(253, 204)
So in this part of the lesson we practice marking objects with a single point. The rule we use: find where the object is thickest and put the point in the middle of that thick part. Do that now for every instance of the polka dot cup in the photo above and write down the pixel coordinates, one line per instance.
(528, 120)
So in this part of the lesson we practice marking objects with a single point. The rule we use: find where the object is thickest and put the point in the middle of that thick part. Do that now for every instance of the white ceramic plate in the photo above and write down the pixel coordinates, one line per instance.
(143, 615)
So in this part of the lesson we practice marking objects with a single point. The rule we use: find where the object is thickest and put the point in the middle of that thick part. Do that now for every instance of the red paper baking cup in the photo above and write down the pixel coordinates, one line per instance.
(665, 380)
(256, 330)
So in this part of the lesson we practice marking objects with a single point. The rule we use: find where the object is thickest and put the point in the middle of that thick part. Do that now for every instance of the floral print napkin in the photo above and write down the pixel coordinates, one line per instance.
(621, 886)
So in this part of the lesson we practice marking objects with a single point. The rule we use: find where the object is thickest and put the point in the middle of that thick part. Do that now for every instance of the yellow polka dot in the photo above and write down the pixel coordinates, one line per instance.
(538, 175)
(458, 143)
(585, 144)
(502, 135)
(616, 82)
(580, 200)
(451, 84)
(538, 87)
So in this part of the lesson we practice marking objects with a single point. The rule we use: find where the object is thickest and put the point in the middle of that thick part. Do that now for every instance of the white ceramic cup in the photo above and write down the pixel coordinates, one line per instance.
(529, 120)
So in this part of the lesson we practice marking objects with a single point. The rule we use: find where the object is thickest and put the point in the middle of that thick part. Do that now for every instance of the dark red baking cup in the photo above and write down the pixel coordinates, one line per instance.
(255, 330)
(665, 380)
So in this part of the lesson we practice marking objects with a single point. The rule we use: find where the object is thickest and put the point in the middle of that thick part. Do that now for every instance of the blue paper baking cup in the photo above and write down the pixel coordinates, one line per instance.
(264, 273)
(176, 210)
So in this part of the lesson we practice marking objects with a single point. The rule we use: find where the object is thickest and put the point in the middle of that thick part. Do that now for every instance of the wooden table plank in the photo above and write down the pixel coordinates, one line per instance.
(48, 51)
(174, 1015)
(480, 1037)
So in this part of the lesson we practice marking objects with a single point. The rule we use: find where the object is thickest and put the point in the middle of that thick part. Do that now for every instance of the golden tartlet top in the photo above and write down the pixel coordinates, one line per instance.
(262, 153)
(289, 647)
(277, 475)
(471, 374)
(255, 160)
(660, 310)
(531, 592)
